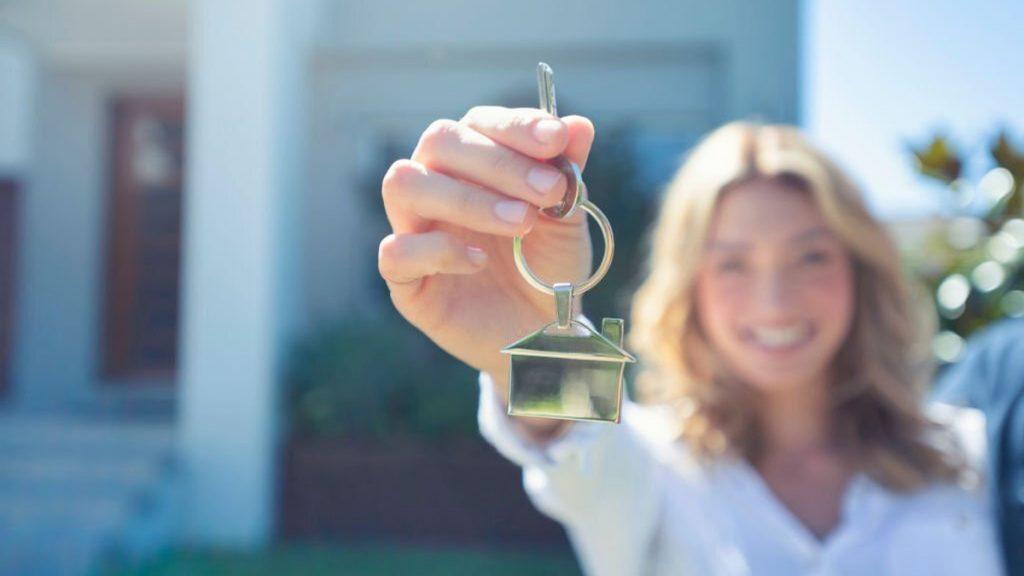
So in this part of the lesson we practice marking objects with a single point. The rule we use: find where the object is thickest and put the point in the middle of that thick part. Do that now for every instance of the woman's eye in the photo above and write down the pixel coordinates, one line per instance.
(730, 266)
(815, 257)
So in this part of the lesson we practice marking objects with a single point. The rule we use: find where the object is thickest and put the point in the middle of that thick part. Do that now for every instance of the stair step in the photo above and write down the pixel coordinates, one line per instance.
(18, 433)
(69, 487)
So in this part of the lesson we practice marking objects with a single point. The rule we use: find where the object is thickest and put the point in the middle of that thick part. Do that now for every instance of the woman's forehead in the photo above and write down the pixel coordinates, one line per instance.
(765, 210)
(803, 237)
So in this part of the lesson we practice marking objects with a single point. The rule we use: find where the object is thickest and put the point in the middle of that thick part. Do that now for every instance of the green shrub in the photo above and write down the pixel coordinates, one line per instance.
(375, 377)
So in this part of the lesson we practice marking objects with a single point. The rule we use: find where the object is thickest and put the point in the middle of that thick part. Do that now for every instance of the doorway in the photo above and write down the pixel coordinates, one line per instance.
(140, 340)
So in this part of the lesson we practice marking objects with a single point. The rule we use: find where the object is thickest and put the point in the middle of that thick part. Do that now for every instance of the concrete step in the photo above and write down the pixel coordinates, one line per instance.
(72, 489)
(19, 433)
(55, 474)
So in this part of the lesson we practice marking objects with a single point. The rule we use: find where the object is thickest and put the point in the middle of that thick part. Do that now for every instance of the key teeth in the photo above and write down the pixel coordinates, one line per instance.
(546, 89)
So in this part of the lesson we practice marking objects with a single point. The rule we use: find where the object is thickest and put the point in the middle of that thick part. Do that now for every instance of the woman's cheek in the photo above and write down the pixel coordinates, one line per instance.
(831, 288)
(721, 299)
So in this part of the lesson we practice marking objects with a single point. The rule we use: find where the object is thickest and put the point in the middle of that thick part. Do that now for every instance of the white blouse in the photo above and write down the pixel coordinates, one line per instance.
(633, 502)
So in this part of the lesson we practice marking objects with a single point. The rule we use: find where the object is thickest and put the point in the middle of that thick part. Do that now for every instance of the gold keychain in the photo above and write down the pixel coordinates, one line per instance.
(566, 369)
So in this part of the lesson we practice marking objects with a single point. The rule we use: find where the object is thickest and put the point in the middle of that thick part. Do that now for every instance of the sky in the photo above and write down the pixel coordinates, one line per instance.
(878, 75)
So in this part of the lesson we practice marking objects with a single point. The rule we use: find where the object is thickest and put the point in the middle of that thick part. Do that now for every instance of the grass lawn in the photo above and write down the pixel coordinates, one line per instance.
(361, 559)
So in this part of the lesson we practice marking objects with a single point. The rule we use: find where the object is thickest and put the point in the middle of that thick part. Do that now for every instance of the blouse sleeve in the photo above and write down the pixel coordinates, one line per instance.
(596, 479)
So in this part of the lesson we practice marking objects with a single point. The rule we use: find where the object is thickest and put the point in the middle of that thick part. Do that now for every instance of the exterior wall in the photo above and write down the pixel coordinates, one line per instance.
(674, 70)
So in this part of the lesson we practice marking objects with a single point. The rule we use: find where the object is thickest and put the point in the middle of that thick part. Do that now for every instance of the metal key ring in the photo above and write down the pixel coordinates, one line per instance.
(575, 190)
(602, 268)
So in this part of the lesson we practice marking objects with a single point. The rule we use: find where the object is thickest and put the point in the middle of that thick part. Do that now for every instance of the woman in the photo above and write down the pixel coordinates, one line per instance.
(782, 430)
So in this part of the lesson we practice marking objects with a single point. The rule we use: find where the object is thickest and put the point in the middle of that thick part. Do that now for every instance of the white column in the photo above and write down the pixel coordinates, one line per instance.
(246, 106)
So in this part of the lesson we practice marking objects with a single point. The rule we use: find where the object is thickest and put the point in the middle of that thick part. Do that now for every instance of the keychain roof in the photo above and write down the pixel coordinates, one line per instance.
(552, 342)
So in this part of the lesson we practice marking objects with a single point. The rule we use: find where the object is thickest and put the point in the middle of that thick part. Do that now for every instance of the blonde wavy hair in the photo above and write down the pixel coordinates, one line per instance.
(878, 373)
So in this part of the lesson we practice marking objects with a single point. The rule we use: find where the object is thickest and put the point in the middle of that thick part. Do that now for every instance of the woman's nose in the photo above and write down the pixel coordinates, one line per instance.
(775, 292)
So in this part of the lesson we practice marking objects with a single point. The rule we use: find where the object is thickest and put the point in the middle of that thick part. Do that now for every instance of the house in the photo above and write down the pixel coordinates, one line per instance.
(185, 189)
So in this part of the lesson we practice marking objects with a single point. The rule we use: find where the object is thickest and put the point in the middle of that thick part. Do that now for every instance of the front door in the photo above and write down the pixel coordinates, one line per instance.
(144, 243)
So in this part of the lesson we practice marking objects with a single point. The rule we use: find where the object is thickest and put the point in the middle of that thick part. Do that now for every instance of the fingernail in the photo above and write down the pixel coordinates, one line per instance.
(476, 255)
(545, 131)
(543, 179)
(511, 211)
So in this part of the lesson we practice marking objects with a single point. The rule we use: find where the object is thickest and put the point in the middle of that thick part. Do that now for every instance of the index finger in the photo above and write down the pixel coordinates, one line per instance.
(533, 132)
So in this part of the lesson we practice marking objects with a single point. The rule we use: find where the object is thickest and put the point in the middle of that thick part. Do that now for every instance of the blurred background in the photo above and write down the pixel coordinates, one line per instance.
(200, 370)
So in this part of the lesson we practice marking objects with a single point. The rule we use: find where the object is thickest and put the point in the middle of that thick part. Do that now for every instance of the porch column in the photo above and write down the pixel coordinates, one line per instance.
(246, 131)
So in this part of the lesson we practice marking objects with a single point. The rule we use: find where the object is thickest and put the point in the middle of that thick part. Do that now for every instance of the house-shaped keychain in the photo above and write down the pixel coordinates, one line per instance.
(567, 370)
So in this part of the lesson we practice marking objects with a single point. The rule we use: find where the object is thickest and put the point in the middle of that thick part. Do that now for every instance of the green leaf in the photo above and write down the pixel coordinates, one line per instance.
(1008, 156)
(938, 159)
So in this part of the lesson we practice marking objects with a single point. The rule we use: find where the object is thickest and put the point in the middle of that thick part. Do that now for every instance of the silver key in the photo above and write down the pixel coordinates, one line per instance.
(546, 89)
(575, 190)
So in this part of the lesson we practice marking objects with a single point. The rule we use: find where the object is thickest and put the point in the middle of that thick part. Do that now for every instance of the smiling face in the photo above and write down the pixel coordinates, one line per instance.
(775, 290)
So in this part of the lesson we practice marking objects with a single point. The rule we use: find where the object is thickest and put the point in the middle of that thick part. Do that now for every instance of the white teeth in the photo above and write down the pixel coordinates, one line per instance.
(779, 337)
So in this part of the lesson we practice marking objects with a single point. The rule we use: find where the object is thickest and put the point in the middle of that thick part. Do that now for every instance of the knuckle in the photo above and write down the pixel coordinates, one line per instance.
(464, 200)
(450, 252)
(400, 175)
(439, 132)
(384, 268)
(450, 260)
(516, 122)
(506, 163)
(387, 254)
(504, 124)
(523, 121)
(476, 113)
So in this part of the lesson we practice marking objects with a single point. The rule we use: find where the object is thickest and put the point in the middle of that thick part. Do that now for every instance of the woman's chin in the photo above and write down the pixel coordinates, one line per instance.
(768, 377)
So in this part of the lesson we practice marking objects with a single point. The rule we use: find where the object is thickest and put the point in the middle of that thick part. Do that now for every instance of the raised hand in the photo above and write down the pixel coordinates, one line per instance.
(454, 207)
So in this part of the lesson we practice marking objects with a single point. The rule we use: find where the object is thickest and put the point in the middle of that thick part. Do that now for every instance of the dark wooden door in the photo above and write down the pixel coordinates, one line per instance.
(8, 238)
(144, 246)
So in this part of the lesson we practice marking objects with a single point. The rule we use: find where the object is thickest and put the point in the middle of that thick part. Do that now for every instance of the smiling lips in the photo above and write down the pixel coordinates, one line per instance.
(779, 338)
